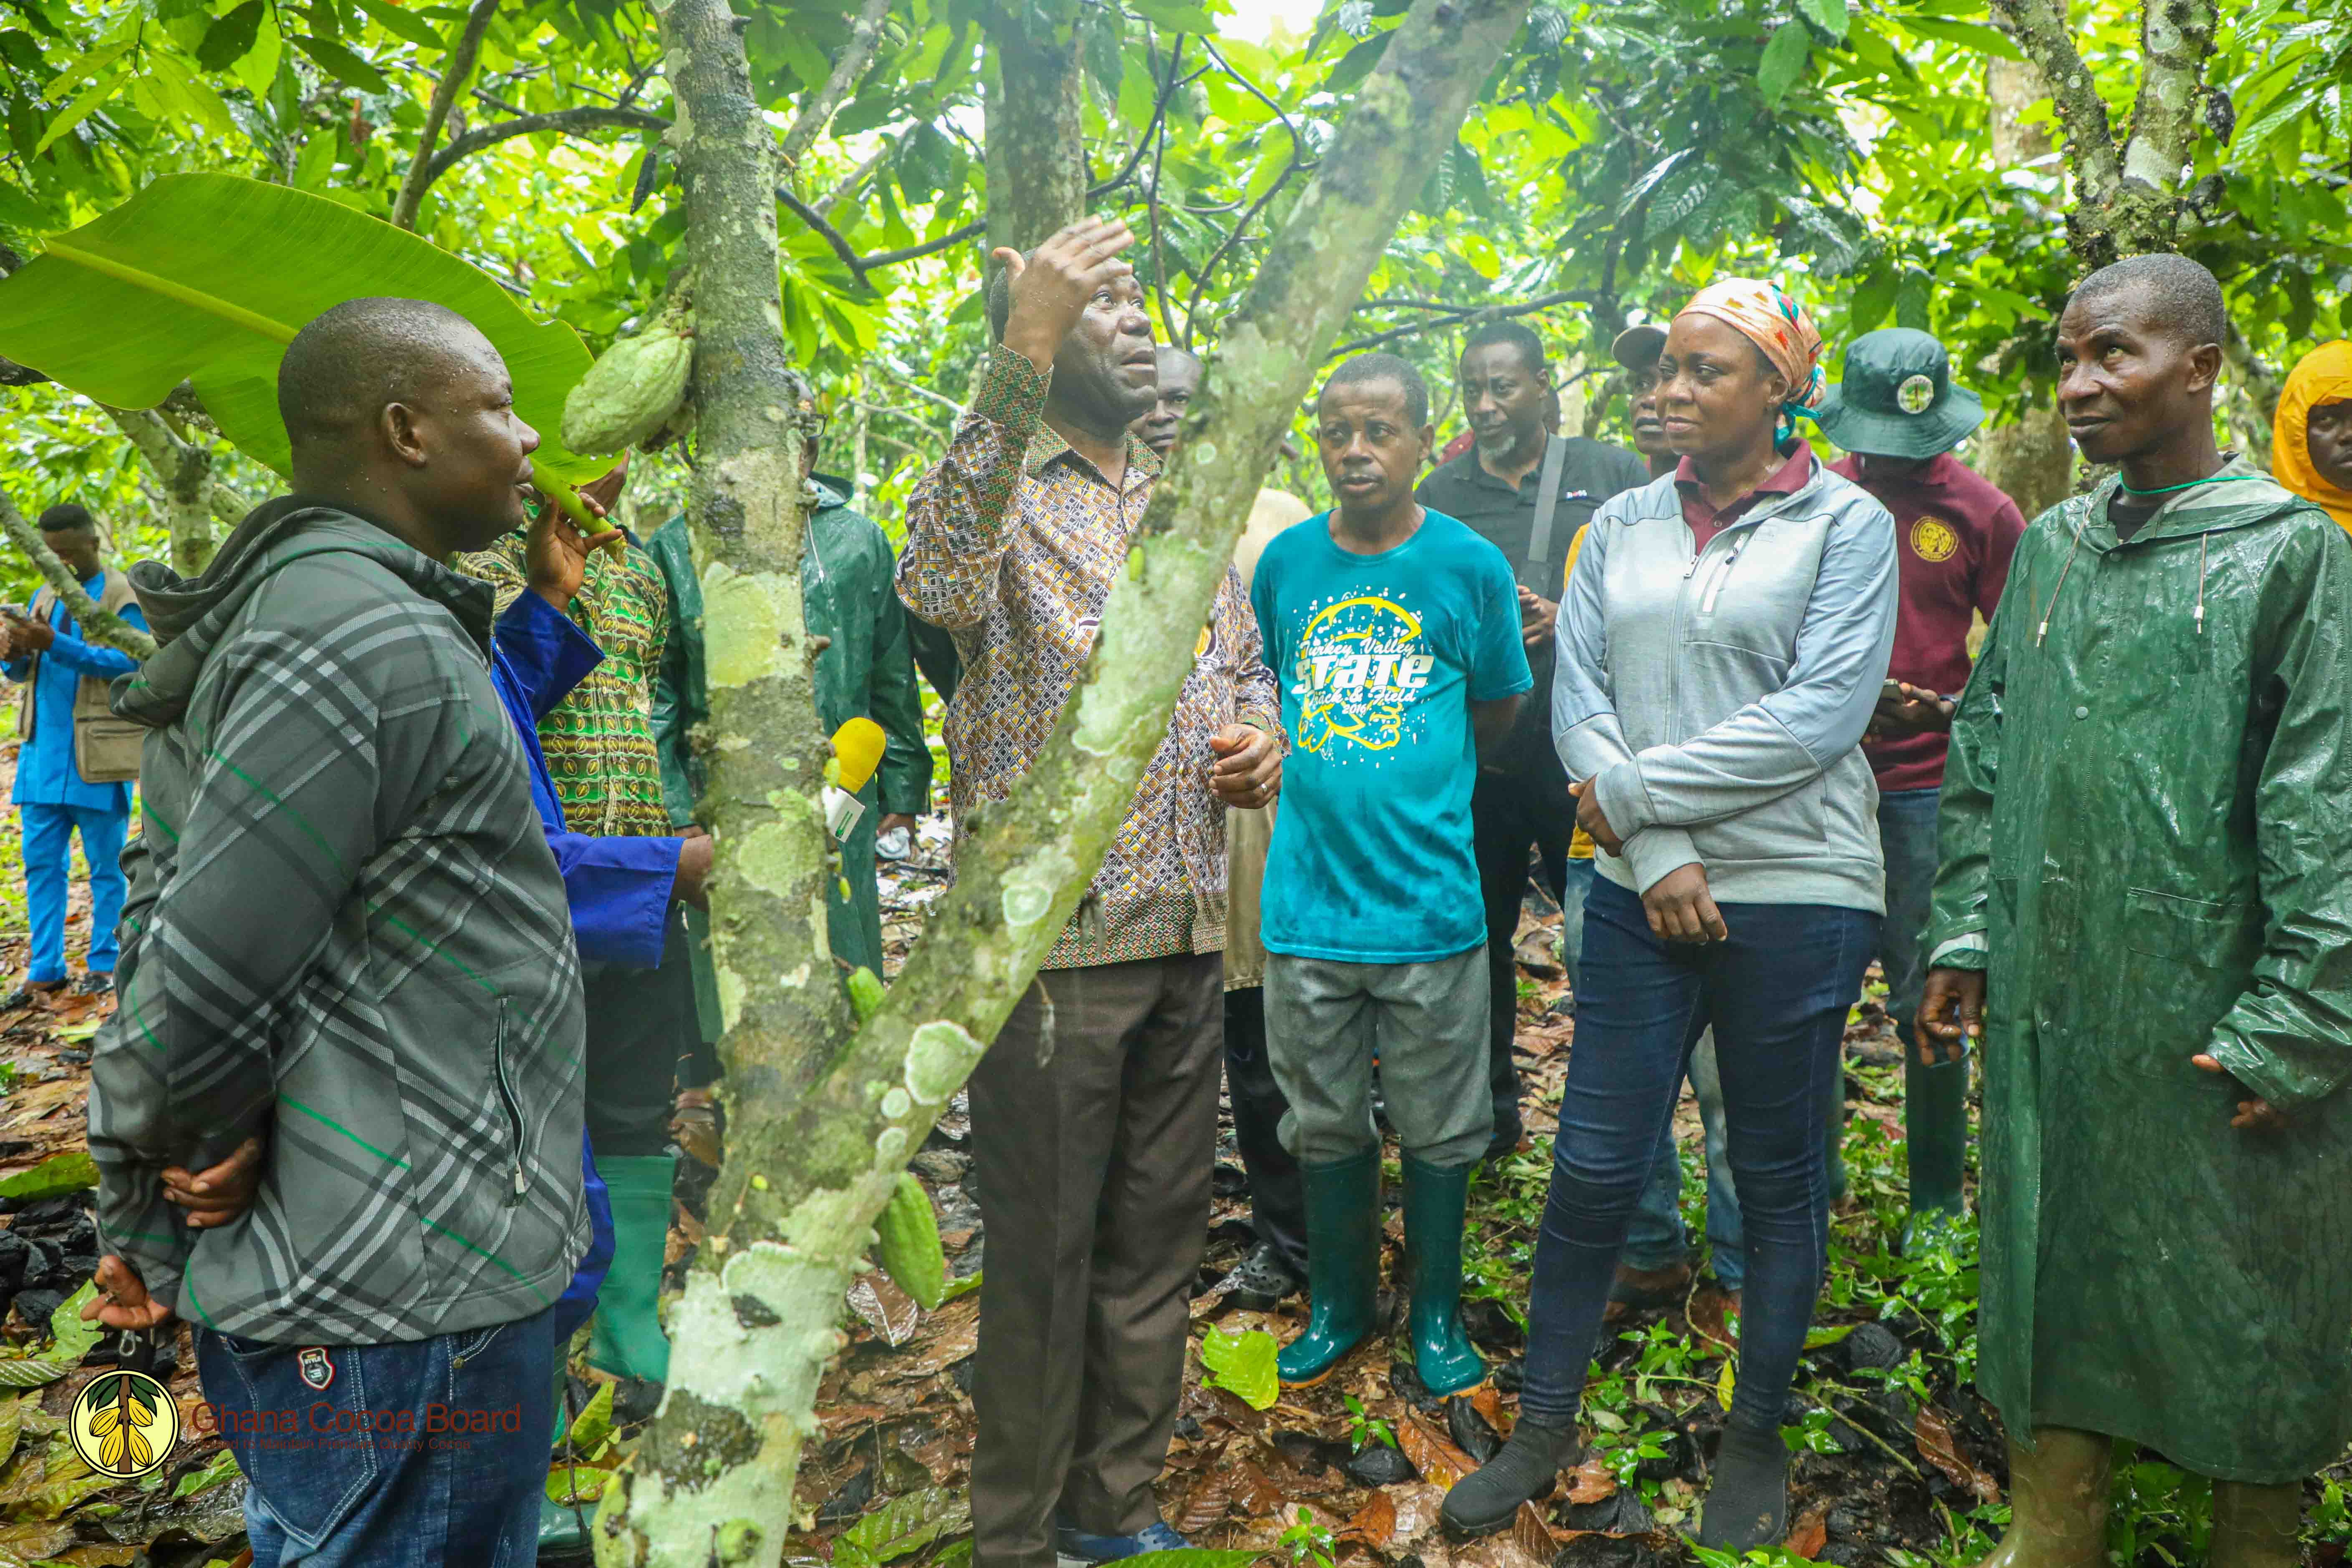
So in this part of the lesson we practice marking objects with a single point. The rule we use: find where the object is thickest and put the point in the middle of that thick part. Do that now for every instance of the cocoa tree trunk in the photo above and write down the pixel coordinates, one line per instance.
(2030, 459)
(813, 1156)
(1036, 145)
(184, 471)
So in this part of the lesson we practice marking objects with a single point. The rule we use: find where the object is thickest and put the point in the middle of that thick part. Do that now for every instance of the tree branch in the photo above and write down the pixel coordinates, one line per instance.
(183, 472)
(2044, 33)
(570, 121)
(823, 206)
(97, 625)
(2176, 35)
(818, 113)
(453, 72)
(1460, 316)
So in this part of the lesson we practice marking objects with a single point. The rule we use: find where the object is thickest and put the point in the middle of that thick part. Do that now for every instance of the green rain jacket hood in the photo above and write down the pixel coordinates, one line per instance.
(344, 933)
(2145, 829)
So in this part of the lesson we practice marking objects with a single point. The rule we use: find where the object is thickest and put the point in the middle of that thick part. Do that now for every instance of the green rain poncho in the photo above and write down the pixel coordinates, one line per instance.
(868, 671)
(2148, 829)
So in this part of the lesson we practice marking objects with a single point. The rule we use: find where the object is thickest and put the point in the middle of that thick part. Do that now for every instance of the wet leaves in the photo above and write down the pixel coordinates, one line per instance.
(1439, 1463)
(1937, 1446)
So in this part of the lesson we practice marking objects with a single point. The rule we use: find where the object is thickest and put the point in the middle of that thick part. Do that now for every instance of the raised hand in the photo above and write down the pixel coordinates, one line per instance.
(1052, 288)
(555, 554)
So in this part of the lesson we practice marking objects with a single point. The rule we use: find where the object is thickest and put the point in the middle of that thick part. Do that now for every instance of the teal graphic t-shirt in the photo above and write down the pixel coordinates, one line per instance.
(1380, 657)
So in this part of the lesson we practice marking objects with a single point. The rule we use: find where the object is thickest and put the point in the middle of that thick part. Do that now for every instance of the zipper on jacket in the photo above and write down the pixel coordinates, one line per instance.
(1723, 570)
(513, 1106)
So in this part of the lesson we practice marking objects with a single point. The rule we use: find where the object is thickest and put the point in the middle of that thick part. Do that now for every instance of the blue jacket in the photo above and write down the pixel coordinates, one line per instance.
(618, 887)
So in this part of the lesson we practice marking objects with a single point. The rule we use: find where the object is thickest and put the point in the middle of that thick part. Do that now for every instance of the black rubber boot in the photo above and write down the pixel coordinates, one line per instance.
(1747, 1505)
(1487, 1499)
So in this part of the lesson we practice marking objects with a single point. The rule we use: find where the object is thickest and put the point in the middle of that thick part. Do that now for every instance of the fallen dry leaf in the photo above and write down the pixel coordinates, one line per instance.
(949, 1335)
(695, 1124)
(1441, 1464)
(1375, 1522)
(1417, 1504)
(1254, 1491)
(1810, 1534)
(1207, 1503)
(1938, 1448)
(1498, 1552)
(1592, 1481)
(1531, 1535)
(889, 1311)
(1489, 1402)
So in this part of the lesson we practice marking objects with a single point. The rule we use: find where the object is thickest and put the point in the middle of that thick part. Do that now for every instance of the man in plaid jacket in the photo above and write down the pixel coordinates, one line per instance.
(346, 934)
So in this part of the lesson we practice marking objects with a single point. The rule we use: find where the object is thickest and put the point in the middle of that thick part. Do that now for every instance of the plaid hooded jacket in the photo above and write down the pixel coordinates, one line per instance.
(345, 932)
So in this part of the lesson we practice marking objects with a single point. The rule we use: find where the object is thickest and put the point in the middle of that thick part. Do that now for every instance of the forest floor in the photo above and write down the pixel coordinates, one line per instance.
(1900, 1462)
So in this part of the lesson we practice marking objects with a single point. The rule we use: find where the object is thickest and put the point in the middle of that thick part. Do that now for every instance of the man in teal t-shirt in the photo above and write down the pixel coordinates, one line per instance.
(1395, 631)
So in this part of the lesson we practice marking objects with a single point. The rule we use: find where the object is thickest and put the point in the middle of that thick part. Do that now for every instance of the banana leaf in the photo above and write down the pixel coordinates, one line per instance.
(206, 277)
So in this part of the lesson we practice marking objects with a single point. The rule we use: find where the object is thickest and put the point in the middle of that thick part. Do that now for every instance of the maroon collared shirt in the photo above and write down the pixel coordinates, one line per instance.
(1706, 521)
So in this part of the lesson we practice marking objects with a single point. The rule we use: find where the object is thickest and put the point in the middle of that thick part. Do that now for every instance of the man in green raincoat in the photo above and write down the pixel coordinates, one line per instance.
(868, 671)
(2143, 914)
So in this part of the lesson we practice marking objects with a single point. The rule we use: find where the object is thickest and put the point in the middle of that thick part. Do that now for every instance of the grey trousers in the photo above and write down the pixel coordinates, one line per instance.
(1325, 1021)
(1093, 1167)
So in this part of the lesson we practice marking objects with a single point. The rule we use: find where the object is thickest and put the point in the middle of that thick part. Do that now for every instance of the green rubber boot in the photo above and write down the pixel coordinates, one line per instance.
(562, 1529)
(1343, 1264)
(2058, 1501)
(2256, 1527)
(1934, 1134)
(624, 1338)
(1434, 1198)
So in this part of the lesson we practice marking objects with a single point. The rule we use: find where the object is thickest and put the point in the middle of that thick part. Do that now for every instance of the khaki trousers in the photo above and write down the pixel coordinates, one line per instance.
(1093, 1167)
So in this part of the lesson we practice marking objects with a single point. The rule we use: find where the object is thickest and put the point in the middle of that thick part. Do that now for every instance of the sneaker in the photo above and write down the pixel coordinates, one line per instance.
(1073, 1545)
(1262, 1281)
(97, 983)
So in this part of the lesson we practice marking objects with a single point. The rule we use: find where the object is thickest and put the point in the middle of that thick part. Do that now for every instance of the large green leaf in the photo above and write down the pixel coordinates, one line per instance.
(206, 279)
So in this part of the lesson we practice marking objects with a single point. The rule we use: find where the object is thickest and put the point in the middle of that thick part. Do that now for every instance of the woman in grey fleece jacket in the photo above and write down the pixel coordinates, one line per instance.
(1722, 643)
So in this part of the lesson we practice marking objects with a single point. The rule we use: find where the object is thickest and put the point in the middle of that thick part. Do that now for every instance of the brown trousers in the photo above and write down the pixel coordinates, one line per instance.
(1093, 1169)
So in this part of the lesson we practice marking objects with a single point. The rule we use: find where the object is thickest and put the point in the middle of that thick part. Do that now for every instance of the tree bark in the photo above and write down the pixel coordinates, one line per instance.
(2129, 194)
(1037, 142)
(97, 625)
(184, 469)
(2030, 460)
(811, 1159)
(453, 72)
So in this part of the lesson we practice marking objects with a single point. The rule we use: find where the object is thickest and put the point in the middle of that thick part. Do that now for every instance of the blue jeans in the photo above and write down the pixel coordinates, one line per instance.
(1935, 1099)
(1656, 1238)
(48, 834)
(415, 1455)
(1775, 993)
(1575, 885)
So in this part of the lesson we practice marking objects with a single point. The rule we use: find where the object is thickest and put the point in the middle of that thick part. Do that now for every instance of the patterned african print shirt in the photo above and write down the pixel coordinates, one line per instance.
(1013, 543)
(599, 741)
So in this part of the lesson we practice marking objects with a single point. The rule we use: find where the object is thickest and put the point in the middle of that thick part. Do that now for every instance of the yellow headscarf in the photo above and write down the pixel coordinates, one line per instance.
(2325, 376)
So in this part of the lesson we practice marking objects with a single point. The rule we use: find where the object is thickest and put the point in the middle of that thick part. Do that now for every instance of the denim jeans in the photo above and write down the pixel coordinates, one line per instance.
(1575, 886)
(1775, 993)
(1935, 1099)
(1656, 1238)
(416, 1454)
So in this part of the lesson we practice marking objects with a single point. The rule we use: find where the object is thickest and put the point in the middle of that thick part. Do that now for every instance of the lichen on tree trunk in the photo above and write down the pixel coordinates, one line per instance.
(816, 1137)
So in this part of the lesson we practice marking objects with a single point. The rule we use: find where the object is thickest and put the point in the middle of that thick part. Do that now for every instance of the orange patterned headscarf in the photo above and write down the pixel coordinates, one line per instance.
(2324, 376)
(1758, 311)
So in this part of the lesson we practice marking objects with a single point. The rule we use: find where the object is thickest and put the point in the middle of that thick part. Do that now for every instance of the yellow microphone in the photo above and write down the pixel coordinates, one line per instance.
(857, 751)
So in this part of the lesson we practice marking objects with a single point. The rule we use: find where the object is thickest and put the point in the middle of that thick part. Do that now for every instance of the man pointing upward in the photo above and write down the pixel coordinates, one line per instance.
(1094, 1113)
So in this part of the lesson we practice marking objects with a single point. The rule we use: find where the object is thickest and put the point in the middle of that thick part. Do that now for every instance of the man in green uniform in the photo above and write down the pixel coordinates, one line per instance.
(2142, 913)
(868, 671)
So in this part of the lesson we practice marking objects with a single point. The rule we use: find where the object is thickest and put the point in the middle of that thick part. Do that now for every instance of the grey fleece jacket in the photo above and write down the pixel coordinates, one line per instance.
(344, 932)
(1718, 697)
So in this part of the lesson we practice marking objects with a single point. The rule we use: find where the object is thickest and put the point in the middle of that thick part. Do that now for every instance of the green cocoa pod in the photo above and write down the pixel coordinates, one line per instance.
(629, 394)
(910, 1243)
(865, 992)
